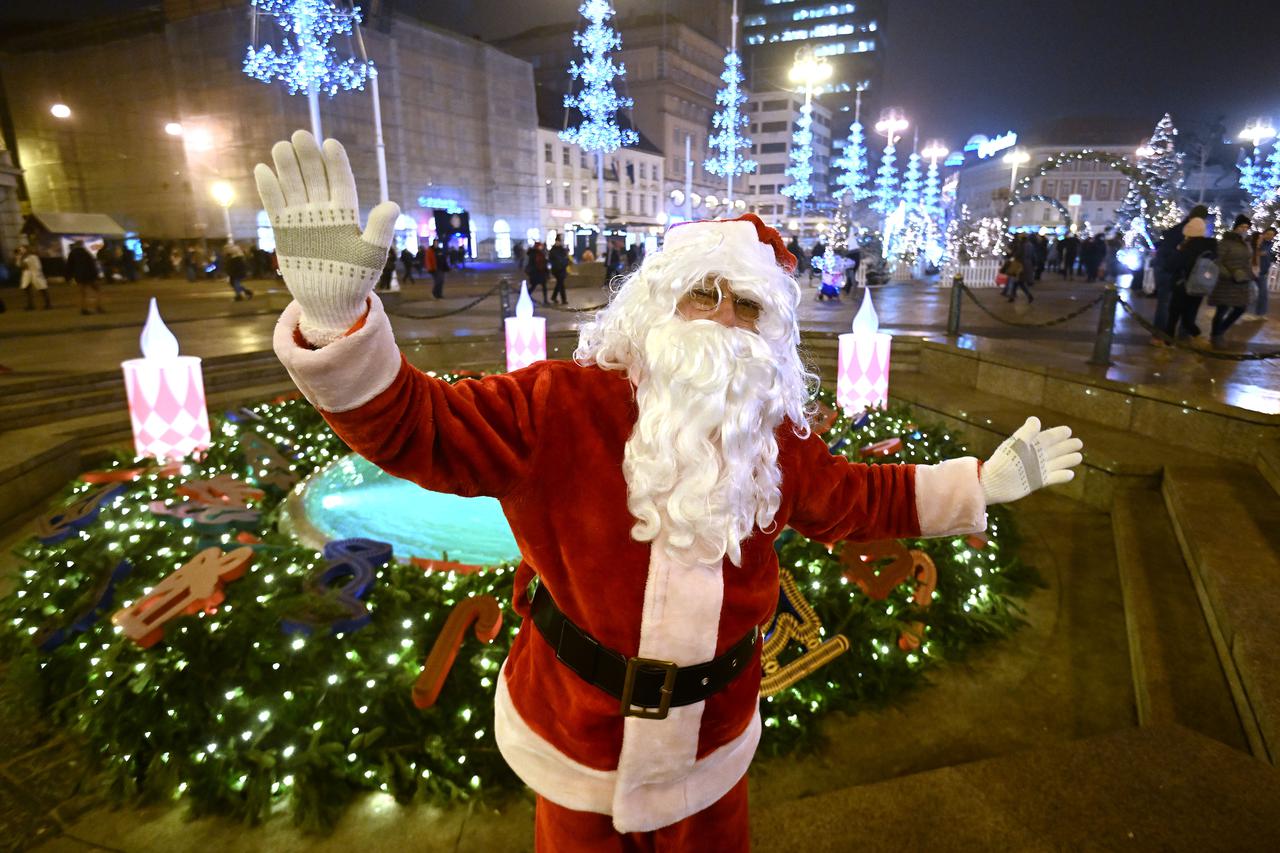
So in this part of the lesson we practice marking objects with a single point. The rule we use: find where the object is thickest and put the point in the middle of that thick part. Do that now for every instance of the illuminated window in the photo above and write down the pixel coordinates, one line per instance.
(501, 238)
(823, 11)
(266, 236)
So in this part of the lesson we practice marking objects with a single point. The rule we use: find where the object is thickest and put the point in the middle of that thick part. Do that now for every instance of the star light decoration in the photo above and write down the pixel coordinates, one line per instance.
(598, 101)
(729, 122)
(308, 60)
(800, 171)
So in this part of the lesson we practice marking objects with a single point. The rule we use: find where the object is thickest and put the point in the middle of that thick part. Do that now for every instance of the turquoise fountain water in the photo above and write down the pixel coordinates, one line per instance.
(355, 498)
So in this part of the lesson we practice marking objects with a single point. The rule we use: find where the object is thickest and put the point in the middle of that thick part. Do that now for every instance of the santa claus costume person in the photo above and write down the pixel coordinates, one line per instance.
(645, 482)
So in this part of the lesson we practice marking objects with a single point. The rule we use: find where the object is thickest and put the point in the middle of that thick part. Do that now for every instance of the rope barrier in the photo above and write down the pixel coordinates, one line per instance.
(473, 303)
(1043, 324)
(1173, 342)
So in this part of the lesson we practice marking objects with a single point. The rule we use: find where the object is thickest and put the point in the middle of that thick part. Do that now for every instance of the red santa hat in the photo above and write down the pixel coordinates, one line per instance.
(746, 235)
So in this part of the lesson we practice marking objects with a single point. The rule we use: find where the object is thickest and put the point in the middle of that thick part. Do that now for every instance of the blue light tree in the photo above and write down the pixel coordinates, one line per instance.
(1252, 179)
(911, 181)
(800, 170)
(729, 122)
(1273, 169)
(307, 62)
(886, 192)
(931, 197)
(597, 101)
(852, 167)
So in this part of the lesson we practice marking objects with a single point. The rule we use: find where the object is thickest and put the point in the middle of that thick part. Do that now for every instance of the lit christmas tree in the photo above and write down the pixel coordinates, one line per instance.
(730, 122)
(597, 101)
(911, 181)
(1273, 170)
(800, 171)
(1161, 168)
(886, 192)
(1252, 175)
(852, 166)
(931, 197)
(307, 62)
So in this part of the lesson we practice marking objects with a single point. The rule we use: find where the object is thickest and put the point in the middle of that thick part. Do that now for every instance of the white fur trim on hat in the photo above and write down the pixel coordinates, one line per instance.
(734, 236)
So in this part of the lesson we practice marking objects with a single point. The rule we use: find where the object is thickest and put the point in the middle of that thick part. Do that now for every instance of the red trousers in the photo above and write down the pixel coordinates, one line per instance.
(721, 827)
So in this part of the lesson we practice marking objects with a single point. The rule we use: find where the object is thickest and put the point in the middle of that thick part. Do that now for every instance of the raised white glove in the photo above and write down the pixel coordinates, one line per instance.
(327, 264)
(1028, 460)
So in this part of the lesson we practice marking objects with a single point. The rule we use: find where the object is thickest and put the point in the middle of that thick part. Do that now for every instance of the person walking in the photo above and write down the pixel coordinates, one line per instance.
(537, 268)
(1021, 268)
(83, 270)
(33, 278)
(1236, 273)
(407, 260)
(1163, 266)
(437, 266)
(1184, 306)
(559, 257)
(1070, 251)
(236, 268)
(1263, 257)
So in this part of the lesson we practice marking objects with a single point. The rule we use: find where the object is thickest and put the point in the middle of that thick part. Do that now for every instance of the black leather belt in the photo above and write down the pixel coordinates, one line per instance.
(646, 688)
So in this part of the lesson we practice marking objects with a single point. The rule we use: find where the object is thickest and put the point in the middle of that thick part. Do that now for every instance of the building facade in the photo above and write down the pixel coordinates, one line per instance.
(10, 206)
(459, 122)
(773, 117)
(849, 35)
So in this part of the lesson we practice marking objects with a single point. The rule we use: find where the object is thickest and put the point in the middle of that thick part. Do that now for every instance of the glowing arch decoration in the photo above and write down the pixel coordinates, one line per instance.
(1021, 192)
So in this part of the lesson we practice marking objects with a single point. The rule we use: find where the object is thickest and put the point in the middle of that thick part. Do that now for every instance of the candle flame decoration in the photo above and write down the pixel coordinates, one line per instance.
(863, 379)
(157, 341)
(524, 305)
(866, 321)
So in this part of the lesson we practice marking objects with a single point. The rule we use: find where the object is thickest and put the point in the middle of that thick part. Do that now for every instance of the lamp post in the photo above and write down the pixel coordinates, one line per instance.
(1014, 159)
(891, 124)
(224, 195)
(809, 70)
(934, 150)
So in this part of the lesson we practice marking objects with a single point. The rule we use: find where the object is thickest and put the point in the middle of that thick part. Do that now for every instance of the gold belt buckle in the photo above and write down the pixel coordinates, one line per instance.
(634, 665)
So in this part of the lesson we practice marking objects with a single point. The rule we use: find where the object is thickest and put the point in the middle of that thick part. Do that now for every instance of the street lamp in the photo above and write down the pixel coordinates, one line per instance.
(1258, 131)
(60, 111)
(810, 71)
(891, 125)
(1014, 159)
(224, 195)
(173, 128)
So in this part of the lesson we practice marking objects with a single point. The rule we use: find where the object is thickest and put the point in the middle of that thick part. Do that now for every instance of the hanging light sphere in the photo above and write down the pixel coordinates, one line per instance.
(60, 111)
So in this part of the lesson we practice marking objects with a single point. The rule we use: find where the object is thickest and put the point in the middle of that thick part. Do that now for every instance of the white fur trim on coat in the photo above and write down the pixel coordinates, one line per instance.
(949, 499)
(573, 785)
(347, 373)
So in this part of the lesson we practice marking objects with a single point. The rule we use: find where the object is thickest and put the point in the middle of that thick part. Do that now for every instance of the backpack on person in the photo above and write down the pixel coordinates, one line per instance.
(1203, 277)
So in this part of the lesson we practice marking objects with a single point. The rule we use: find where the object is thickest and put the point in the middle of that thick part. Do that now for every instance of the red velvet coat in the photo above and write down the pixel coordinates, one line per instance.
(547, 441)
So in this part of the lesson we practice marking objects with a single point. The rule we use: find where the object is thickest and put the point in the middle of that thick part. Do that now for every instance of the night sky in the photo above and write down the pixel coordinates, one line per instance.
(959, 67)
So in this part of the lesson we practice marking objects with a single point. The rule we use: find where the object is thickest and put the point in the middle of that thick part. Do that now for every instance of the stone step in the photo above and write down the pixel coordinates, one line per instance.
(1152, 788)
(1227, 520)
(1177, 676)
(1113, 458)
(1268, 462)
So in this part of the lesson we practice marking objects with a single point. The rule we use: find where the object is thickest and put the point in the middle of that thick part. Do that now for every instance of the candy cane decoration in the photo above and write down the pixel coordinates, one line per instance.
(485, 612)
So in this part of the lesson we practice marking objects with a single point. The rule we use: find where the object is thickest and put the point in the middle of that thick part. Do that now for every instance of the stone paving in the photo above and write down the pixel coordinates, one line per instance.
(48, 344)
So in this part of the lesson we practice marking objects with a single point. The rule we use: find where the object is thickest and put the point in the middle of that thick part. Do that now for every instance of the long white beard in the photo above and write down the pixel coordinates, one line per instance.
(702, 463)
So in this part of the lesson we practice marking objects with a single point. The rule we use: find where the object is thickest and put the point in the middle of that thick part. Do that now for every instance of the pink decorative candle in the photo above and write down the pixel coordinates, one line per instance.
(526, 334)
(863, 381)
(166, 395)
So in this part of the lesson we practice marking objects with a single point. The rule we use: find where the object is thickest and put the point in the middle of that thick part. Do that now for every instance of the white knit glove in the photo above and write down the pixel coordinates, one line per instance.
(1028, 460)
(327, 264)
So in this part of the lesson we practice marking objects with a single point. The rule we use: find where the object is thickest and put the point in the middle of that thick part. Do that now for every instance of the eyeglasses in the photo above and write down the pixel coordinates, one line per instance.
(708, 298)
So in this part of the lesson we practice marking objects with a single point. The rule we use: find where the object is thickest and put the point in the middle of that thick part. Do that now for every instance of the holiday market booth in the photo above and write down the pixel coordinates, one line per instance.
(240, 615)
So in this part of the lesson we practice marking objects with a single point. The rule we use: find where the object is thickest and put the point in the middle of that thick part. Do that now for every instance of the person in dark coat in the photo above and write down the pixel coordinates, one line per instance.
(1163, 263)
(1022, 274)
(388, 270)
(537, 267)
(407, 260)
(1093, 253)
(1070, 250)
(437, 265)
(83, 270)
(1231, 295)
(1184, 306)
(559, 258)
(236, 269)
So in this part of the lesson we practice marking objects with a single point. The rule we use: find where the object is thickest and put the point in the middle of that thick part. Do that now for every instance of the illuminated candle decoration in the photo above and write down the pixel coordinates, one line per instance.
(100, 600)
(485, 612)
(166, 395)
(352, 560)
(196, 585)
(863, 381)
(76, 516)
(526, 334)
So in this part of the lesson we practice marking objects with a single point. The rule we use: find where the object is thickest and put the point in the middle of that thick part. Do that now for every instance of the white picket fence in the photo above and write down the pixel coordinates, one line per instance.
(980, 273)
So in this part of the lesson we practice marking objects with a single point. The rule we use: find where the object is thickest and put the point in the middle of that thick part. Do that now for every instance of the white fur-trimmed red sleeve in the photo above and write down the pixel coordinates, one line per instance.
(347, 373)
(949, 498)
